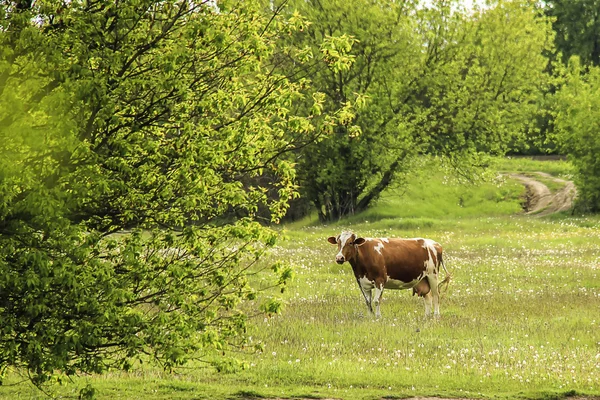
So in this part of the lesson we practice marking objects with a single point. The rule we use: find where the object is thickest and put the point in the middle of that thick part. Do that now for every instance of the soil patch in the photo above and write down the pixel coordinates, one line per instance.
(540, 200)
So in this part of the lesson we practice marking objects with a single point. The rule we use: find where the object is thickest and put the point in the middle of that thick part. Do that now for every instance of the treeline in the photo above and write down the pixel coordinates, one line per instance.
(143, 143)
(513, 77)
(441, 80)
(574, 98)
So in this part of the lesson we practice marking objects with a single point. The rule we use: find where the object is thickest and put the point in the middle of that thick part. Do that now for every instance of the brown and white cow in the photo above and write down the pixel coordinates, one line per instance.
(393, 264)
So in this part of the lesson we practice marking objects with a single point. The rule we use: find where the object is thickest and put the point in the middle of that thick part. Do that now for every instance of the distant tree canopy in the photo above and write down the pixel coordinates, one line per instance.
(572, 122)
(132, 139)
(577, 27)
(577, 130)
(435, 80)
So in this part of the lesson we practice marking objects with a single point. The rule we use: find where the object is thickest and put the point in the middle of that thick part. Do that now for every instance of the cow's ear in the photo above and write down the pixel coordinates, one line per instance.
(359, 241)
(332, 239)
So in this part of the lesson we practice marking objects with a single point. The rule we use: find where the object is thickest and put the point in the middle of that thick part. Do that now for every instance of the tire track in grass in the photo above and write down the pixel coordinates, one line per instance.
(540, 200)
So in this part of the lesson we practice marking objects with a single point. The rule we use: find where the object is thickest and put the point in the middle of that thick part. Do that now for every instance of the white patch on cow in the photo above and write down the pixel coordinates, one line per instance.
(344, 237)
(365, 283)
(376, 298)
(428, 243)
(431, 272)
(398, 284)
(385, 240)
(430, 263)
(378, 247)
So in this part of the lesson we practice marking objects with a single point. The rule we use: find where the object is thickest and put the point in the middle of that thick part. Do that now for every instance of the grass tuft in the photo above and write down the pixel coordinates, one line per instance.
(249, 394)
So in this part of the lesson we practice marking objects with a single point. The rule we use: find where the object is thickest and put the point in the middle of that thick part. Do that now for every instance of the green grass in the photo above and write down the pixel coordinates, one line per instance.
(520, 319)
(433, 198)
(559, 168)
(553, 185)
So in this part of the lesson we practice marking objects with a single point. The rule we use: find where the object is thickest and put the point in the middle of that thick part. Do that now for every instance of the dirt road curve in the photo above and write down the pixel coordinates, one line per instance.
(540, 200)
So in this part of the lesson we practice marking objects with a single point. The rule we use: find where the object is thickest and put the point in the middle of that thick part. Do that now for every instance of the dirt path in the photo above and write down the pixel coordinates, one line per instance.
(540, 200)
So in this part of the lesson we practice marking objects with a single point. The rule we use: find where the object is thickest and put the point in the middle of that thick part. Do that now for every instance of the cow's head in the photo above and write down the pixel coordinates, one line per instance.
(347, 243)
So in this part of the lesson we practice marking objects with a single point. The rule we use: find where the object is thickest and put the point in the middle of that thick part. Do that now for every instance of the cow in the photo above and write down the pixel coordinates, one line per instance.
(393, 264)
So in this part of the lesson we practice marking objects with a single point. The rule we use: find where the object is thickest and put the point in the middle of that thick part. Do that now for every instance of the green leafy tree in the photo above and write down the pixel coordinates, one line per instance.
(577, 128)
(346, 171)
(435, 80)
(577, 26)
(132, 139)
(483, 81)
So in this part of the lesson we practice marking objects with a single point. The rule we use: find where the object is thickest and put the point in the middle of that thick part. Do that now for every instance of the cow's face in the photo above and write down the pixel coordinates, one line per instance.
(347, 244)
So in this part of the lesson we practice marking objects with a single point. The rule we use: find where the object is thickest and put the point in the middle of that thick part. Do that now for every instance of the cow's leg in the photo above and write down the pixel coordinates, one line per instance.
(367, 294)
(435, 294)
(377, 298)
(427, 300)
(366, 287)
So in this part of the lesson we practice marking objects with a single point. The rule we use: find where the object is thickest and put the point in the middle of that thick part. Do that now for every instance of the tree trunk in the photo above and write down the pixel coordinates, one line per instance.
(385, 181)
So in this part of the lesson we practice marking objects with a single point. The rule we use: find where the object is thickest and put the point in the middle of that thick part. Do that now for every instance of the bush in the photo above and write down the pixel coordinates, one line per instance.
(577, 112)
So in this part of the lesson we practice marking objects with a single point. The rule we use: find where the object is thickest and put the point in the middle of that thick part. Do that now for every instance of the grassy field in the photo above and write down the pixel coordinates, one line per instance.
(521, 318)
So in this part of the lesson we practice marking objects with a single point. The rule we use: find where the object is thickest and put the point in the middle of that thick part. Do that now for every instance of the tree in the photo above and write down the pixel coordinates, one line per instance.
(577, 27)
(346, 171)
(576, 121)
(485, 78)
(423, 80)
(128, 131)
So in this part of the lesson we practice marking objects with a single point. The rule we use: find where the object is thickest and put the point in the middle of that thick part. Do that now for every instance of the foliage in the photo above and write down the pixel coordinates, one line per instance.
(577, 27)
(133, 136)
(349, 163)
(485, 78)
(435, 80)
(577, 112)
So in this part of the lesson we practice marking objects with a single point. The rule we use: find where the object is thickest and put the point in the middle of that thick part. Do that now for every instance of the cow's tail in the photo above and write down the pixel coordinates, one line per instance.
(446, 281)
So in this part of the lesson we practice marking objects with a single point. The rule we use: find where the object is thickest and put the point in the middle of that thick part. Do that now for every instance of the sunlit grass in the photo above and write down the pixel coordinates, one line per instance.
(520, 316)
(558, 168)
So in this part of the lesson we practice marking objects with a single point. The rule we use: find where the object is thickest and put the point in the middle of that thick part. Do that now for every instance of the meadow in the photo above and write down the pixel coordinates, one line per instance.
(520, 319)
